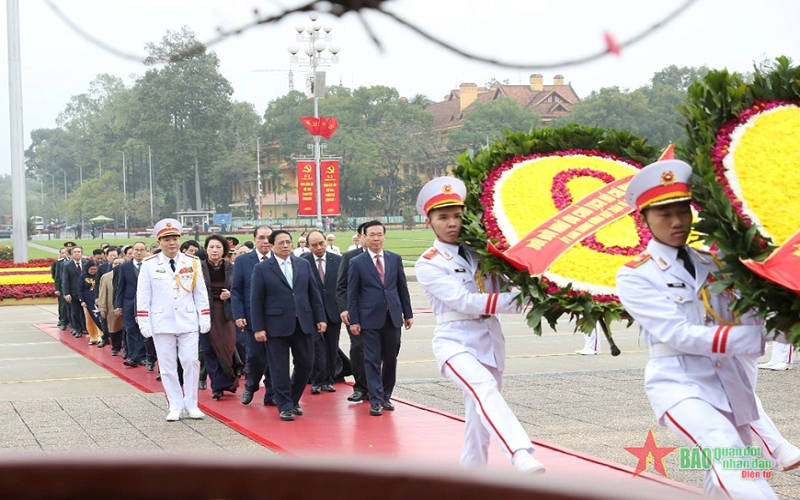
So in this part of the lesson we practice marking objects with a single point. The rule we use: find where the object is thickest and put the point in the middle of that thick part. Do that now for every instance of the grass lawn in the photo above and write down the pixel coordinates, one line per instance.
(410, 244)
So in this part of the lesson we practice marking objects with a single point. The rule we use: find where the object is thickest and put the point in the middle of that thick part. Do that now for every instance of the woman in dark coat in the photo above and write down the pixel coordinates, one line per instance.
(219, 344)
(87, 292)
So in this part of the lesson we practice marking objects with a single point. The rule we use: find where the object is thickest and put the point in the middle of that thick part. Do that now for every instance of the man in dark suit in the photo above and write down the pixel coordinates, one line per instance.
(56, 271)
(125, 306)
(70, 281)
(326, 346)
(287, 312)
(256, 359)
(356, 344)
(379, 305)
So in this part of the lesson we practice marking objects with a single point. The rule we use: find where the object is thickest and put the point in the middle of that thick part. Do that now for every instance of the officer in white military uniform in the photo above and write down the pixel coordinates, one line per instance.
(468, 341)
(172, 306)
(701, 377)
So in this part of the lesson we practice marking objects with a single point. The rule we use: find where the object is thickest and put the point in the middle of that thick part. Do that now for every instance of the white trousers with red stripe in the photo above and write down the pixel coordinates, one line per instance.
(487, 413)
(171, 347)
(699, 423)
(767, 436)
(592, 340)
(782, 353)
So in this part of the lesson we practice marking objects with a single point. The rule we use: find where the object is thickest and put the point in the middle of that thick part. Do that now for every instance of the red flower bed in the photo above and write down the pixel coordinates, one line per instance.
(7, 263)
(34, 290)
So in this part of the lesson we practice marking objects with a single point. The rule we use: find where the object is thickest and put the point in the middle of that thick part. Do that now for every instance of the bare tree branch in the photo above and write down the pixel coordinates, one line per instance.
(342, 7)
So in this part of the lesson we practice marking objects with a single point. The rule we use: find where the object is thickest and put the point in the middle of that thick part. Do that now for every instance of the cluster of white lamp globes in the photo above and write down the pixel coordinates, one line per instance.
(318, 37)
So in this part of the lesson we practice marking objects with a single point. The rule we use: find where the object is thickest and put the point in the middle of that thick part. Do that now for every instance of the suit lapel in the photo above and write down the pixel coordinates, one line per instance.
(276, 268)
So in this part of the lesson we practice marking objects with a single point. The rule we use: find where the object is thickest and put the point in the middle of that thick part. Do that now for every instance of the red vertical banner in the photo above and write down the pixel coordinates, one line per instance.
(330, 187)
(306, 189)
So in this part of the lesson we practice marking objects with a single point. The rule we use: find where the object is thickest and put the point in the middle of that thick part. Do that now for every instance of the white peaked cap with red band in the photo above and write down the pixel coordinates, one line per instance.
(441, 192)
(660, 183)
(167, 227)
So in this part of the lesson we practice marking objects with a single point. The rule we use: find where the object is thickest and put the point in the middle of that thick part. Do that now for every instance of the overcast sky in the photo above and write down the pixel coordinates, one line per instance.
(57, 63)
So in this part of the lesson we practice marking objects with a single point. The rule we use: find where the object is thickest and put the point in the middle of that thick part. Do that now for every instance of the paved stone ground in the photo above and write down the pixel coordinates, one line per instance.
(54, 400)
(601, 412)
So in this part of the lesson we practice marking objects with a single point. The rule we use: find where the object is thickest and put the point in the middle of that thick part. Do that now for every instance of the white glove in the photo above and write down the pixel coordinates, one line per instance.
(205, 328)
(146, 333)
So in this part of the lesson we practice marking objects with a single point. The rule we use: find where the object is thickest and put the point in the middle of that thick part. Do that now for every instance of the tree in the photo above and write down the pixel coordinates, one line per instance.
(487, 122)
(183, 108)
(649, 111)
(678, 78)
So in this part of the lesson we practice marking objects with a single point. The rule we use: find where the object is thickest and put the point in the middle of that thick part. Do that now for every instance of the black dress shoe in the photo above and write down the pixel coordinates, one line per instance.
(62, 326)
(203, 385)
(115, 352)
(247, 397)
(216, 394)
(151, 366)
(103, 343)
(158, 377)
(125, 352)
(297, 410)
(376, 411)
(315, 389)
(287, 415)
(328, 388)
(131, 363)
(388, 406)
(358, 396)
(270, 402)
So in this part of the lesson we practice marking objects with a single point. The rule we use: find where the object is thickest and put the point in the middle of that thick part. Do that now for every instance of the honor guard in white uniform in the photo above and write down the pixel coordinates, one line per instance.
(172, 306)
(701, 377)
(468, 341)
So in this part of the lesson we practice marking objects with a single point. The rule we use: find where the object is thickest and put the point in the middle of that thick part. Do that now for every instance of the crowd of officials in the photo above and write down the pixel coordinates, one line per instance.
(256, 307)
(97, 297)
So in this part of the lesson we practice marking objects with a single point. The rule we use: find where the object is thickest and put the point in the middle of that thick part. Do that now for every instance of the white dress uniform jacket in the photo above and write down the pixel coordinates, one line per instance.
(172, 302)
(693, 353)
(465, 317)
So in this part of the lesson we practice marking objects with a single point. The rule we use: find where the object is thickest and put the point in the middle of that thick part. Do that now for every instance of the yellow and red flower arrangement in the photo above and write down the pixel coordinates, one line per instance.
(522, 181)
(745, 151)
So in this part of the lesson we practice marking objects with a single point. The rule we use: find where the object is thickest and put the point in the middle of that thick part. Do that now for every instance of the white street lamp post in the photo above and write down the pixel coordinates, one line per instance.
(317, 38)
(124, 191)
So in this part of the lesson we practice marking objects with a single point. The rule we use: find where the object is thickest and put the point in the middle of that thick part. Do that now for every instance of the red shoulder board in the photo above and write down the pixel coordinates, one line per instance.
(430, 253)
(639, 260)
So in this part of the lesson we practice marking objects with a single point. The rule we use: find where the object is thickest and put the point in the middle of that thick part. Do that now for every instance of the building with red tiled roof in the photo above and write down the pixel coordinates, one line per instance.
(548, 101)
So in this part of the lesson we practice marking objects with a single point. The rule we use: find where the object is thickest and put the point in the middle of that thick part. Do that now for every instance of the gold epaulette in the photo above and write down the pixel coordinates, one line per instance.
(430, 253)
(150, 257)
(192, 256)
(638, 261)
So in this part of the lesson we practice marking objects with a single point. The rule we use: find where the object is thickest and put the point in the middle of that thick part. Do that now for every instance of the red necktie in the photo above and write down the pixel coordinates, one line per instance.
(379, 265)
(319, 268)
(79, 267)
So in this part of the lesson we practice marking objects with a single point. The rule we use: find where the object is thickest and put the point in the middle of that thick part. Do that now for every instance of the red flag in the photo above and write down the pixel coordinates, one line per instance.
(327, 128)
(311, 123)
(668, 154)
(782, 267)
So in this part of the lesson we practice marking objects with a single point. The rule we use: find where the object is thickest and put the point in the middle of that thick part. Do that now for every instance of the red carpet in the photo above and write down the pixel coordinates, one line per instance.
(331, 425)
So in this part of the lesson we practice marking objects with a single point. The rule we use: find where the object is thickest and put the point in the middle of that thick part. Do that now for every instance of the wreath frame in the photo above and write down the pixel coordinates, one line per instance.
(473, 167)
(714, 101)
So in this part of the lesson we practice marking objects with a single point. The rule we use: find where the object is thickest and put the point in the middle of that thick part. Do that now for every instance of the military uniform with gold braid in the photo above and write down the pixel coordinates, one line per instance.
(172, 307)
(468, 341)
(700, 379)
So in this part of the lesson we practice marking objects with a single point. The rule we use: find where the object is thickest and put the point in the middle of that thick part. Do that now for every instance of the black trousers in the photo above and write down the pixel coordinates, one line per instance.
(357, 362)
(381, 348)
(288, 387)
(326, 352)
(257, 365)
